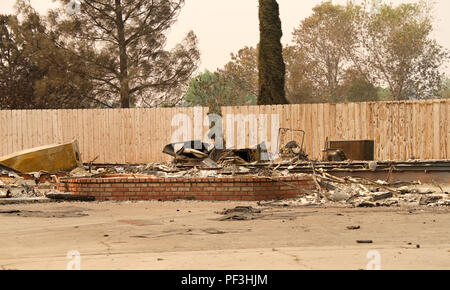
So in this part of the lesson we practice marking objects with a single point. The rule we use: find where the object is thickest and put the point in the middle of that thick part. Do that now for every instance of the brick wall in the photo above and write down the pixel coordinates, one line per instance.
(206, 189)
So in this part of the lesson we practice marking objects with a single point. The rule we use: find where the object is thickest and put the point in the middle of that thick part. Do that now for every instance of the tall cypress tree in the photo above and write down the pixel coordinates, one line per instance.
(272, 69)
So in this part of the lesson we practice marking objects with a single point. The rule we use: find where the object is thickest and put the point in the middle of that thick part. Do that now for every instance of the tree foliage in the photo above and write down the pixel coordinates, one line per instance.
(271, 65)
(445, 92)
(16, 69)
(34, 73)
(111, 54)
(215, 90)
(323, 41)
(396, 49)
(243, 69)
(356, 88)
(348, 53)
(299, 87)
(123, 41)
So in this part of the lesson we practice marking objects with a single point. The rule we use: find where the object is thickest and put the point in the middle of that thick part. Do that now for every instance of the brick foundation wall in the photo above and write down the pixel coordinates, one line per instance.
(204, 189)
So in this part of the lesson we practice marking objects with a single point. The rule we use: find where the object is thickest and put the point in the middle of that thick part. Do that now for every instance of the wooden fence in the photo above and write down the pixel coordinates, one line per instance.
(401, 130)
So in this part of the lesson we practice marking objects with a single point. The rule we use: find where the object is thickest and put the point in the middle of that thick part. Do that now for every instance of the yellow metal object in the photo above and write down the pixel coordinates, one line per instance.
(51, 158)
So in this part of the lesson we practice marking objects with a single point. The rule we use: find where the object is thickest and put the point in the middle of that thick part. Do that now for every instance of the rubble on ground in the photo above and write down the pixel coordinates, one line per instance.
(362, 192)
(28, 174)
(204, 163)
(348, 191)
(14, 186)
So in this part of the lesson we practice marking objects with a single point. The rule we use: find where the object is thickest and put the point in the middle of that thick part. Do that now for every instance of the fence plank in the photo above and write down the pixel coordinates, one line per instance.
(444, 120)
(363, 122)
(378, 115)
(435, 117)
(447, 142)
(9, 133)
(395, 131)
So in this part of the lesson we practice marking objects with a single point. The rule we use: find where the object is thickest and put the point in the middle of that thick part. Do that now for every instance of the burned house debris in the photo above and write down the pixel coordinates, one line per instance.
(188, 151)
(333, 155)
(338, 180)
(197, 153)
(292, 150)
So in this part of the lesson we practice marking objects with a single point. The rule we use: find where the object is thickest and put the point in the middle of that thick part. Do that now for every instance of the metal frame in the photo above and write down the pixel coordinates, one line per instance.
(294, 130)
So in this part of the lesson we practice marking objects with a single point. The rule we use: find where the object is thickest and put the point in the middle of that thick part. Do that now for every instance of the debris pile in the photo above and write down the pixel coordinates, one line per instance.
(239, 213)
(363, 192)
(203, 162)
(28, 174)
(198, 153)
(13, 185)
(330, 189)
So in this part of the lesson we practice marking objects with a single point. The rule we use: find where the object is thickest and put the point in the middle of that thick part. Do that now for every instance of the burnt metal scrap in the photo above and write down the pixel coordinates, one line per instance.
(338, 151)
(294, 149)
(188, 150)
(197, 153)
(333, 155)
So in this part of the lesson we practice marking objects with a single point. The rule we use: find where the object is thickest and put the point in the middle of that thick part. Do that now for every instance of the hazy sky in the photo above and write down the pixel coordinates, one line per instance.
(225, 26)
